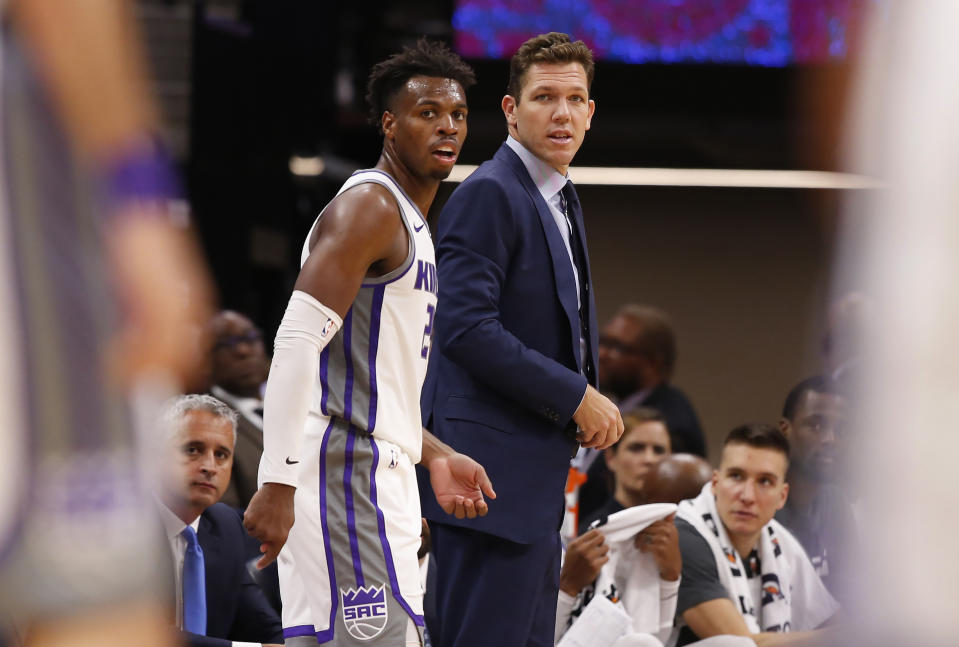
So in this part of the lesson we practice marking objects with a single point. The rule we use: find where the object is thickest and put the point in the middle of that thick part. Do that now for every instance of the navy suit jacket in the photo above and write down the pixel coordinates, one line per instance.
(504, 377)
(236, 608)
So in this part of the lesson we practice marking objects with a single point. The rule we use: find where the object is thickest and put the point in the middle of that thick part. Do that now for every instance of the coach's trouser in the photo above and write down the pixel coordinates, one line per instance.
(492, 591)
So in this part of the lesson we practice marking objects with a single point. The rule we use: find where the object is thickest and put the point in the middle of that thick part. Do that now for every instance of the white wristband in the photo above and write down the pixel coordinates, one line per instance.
(306, 329)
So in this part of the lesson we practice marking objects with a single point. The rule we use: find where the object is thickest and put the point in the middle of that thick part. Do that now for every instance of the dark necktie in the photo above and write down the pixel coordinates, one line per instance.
(574, 214)
(194, 585)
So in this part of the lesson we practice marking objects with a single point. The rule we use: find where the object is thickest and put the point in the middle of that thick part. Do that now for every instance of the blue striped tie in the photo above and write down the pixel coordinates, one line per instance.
(194, 585)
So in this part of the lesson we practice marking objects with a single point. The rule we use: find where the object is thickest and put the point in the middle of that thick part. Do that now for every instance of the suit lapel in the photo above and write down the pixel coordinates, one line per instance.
(562, 268)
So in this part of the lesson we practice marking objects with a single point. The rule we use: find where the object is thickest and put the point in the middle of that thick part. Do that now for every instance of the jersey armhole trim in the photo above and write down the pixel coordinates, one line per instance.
(404, 267)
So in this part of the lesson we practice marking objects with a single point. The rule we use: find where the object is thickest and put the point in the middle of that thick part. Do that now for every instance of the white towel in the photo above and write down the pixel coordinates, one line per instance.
(635, 573)
(793, 596)
(631, 578)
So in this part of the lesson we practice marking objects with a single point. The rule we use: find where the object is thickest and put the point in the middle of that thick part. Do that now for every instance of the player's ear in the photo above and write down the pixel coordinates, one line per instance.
(387, 123)
(509, 109)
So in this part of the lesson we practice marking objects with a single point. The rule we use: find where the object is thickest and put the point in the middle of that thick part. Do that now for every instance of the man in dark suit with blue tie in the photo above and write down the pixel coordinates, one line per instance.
(512, 375)
(218, 601)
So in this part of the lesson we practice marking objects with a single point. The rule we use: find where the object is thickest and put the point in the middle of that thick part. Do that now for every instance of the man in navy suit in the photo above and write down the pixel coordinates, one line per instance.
(196, 471)
(512, 375)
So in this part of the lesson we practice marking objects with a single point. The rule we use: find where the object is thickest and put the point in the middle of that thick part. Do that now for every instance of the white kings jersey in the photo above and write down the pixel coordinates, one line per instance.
(372, 370)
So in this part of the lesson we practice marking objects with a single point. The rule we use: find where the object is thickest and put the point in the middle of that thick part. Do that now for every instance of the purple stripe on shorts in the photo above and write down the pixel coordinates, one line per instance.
(324, 385)
(375, 316)
(350, 512)
(299, 630)
(387, 553)
(323, 636)
(348, 353)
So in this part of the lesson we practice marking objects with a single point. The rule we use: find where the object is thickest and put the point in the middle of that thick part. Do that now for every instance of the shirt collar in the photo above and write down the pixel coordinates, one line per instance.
(172, 524)
(548, 180)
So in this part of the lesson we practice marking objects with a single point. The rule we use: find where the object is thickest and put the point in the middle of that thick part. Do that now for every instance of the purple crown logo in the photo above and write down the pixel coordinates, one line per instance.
(364, 611)
(363, 595)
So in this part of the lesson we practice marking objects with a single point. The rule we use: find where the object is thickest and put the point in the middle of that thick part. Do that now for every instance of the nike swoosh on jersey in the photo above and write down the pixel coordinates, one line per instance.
(415, 228)
(289, 462)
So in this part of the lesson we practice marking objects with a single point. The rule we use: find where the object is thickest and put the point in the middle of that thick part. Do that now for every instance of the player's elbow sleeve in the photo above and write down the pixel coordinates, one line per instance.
(306, 328)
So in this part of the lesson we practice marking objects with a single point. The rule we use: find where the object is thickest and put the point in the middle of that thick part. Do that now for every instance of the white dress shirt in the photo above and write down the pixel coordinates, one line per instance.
(173, 526)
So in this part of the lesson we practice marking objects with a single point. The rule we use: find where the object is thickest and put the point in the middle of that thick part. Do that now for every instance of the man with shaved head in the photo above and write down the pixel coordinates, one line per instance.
(677, 477)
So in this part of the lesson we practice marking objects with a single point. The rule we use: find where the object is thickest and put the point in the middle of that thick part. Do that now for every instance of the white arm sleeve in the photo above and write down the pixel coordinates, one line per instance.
(668, 596)
(306, 329)
(564, 609)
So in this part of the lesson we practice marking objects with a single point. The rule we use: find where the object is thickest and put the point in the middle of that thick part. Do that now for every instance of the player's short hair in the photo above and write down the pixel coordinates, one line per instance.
(816, 384)
(638, 416)
(425, 58)
(656, 338)
(554, 47)
(176, 408)
(760, 436)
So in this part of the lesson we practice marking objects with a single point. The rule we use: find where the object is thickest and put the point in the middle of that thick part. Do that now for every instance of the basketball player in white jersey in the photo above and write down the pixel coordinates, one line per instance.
(342, 418)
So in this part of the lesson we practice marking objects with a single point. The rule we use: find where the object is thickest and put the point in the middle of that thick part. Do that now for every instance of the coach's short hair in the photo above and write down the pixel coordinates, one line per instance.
(554, 47)
(176, 408)
(425, 58)
(816, 384)
(759, 435)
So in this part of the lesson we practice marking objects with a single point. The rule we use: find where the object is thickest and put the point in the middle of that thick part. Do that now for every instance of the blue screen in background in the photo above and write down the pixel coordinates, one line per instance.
(771, 33)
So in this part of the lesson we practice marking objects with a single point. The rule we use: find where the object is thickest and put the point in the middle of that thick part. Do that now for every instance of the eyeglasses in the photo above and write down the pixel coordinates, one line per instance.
(251, 337)
(616, 346)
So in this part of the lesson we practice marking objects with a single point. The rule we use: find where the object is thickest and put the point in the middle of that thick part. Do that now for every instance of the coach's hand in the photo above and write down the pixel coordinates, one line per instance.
(585, 556)
(269, 518)
(600, 424)
(459, 484)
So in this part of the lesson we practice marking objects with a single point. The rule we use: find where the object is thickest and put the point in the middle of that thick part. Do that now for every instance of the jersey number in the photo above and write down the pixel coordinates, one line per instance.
(428, 331)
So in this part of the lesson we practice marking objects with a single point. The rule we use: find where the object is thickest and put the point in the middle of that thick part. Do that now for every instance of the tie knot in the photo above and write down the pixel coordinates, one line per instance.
(189, 534)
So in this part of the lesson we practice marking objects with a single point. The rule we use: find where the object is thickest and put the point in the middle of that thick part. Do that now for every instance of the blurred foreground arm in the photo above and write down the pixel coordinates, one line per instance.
(90, 58)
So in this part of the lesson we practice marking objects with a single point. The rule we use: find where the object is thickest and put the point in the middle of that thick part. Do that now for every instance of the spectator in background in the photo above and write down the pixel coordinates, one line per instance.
(239, 368)
(677, 477)
(817, 511)
(743, 573)
(637, 356)
(217, 599)
(644, 443)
